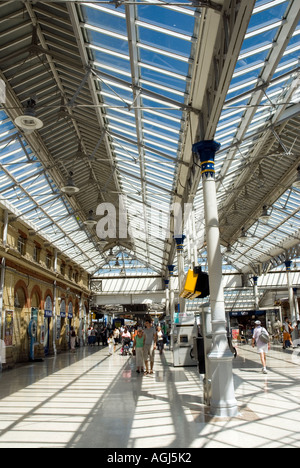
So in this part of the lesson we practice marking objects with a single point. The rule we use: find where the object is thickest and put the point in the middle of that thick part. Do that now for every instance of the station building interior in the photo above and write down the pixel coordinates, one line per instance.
(101, 104)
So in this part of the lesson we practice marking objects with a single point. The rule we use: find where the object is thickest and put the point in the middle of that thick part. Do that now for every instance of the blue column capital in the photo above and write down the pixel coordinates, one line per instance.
(206, 150)
(180, 241)
(288, 265)
(171, 269)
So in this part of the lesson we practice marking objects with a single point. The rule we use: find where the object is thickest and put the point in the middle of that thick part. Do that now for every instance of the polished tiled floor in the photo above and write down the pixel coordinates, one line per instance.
(93, 400)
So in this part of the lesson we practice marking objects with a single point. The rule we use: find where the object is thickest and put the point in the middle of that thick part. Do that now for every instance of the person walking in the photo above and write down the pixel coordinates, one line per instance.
(149, 346)
(98, 335)
(260, 338)
(287, 334)
(138, 347)
(116, 338)
(160, 340)
(72, 339)
(111, 344)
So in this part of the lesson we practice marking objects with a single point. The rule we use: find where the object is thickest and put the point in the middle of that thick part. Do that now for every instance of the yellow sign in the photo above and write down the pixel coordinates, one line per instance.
(189, 291)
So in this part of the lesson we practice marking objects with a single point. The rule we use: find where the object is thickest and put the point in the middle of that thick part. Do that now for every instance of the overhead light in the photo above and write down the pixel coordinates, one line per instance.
(70, 188)
(265, 216)
(102, 243)
(296, 184)
(243, 237)
(111, 255)
(90, 222)
(117, 264)
(29, 122)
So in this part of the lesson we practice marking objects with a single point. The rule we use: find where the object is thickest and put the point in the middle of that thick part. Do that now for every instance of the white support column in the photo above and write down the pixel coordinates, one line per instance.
(3, 267)
(293, 318)
(172, 300)
(223, 401)
(195, 249)
(180, 261)
(296, 303)
(81, 321)
(54, 305)
(256, 293)
(2, 278)
(167, 283)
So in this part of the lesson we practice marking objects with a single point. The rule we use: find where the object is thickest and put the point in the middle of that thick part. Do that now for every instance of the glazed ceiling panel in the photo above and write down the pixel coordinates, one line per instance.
(123, 90)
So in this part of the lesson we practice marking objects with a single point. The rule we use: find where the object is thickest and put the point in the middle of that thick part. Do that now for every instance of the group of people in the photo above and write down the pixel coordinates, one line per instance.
(288, 332)
(143, 342)
(97, 335)
(279, 333)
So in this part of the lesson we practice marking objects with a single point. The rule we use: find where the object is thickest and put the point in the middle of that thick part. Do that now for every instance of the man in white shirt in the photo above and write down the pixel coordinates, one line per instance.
(262, 347)
(149, 346)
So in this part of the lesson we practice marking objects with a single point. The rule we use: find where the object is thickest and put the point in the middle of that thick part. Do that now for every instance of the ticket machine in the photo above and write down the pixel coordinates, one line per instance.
(183, 344)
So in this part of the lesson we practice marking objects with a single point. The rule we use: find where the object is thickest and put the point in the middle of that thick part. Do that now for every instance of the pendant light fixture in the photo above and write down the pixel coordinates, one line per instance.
(90, 222)
(296, 184)
(243, 237)
(265, 216)
(29, 122)
(70, 188)
(110, 257)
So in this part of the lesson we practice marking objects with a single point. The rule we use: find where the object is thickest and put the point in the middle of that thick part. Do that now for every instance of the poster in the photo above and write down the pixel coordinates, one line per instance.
(8, 328)
(235, 333)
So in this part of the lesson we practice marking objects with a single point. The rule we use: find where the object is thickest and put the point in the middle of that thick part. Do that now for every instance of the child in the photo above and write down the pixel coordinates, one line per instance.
(111, 344)
(138, 346)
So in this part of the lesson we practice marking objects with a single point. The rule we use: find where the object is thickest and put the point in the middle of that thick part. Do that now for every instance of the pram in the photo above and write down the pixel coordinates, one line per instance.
(125, 351)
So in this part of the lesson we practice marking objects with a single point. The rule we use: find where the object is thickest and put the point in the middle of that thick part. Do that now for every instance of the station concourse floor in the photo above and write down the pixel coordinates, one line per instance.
(91, 400)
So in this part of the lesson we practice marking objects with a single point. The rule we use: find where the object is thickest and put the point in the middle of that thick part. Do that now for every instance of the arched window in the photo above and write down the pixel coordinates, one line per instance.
(20, 298)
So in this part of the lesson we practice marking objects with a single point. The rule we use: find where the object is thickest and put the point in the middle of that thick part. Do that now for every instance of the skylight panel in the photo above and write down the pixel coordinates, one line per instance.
(278, 8)
(166, 53)
(118, 73)
(105, 51)
(105, 9)
(97, 39)
(169, 32)
(161, 146)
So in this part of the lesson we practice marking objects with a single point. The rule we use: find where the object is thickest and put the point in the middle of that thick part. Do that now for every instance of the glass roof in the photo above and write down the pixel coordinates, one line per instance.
(27, 187)
(144, 84)
(142, 55)
(245, 116)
